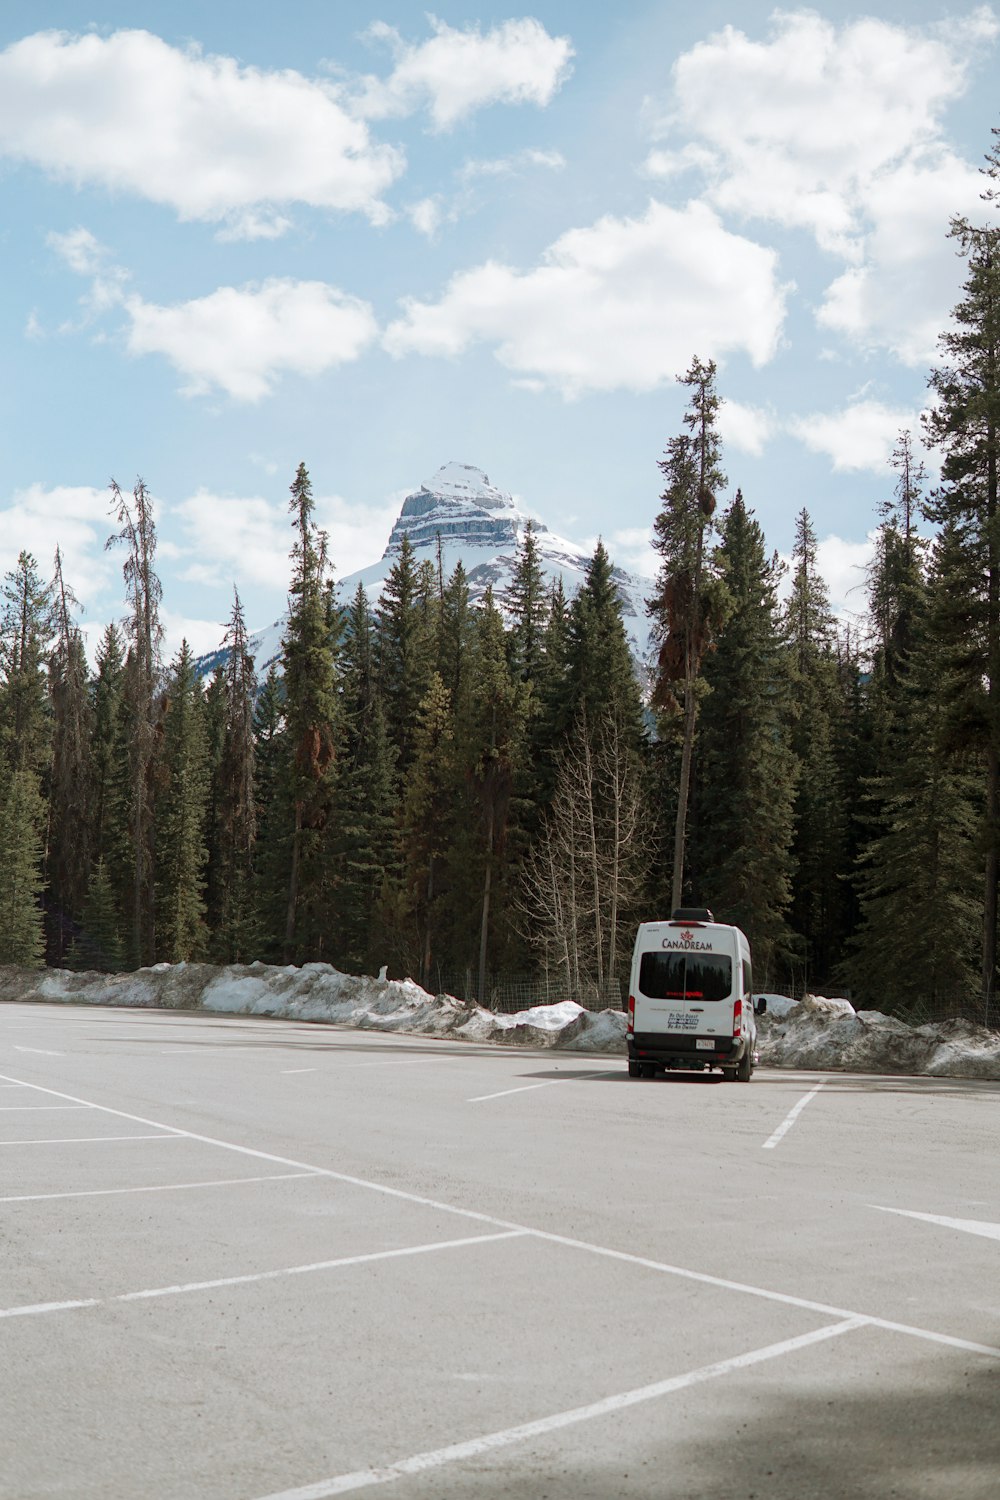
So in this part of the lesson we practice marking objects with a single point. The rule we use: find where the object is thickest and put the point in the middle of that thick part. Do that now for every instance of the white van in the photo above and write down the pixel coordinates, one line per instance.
(690, 998)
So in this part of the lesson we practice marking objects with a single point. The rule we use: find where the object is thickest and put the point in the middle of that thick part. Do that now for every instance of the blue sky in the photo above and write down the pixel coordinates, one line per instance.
(376, 240)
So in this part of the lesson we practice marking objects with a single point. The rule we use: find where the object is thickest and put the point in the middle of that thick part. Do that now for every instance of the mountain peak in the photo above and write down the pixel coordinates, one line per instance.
(468, 485)
(457, 504)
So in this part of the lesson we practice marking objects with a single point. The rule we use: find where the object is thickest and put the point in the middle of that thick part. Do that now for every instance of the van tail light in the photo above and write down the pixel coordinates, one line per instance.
(737, 1017)
(631, 1013)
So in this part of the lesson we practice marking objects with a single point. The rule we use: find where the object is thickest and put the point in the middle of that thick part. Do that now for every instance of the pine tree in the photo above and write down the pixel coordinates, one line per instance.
(110, 839)
(689, 602)
(141, 688)
(98, 944)
(26, 628)
(309, 657)
(745, 769)
(819, 844)
(600, 673)
(405, 645)
(71, 775)
(365, 835)
(527, 605)
(428, 802)
(919, 871)
(235, 927)
(491, 731)
(181, 812)
(964, 423)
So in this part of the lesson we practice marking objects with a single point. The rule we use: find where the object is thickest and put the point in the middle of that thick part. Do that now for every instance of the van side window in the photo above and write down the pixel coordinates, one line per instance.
(747, 978)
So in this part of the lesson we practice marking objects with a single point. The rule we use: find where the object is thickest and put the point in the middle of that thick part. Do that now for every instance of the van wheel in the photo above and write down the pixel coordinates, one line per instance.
(635, 1069)
(744, 1068)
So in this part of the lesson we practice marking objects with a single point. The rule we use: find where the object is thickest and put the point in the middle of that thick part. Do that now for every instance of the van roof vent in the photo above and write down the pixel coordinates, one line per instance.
(692, 914)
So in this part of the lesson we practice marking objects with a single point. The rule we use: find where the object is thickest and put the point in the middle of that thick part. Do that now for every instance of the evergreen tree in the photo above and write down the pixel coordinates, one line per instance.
(181, 813)
(235, 926)
(71, 777)
(964, 423)
(309, 655)
(527, 605)
(689, 602)
(491, 732)
(600, 674)
(405, 646)
(428, 802)
(819, 845)
(919, 872)
(110, 839)
(745, 782)
(366, 833)
(143, 671)
(26, 628)
(98, 944)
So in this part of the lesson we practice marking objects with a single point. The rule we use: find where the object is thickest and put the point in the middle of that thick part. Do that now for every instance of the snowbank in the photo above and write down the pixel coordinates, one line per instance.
(317, 992)
(820, 1033)
(811, 1033)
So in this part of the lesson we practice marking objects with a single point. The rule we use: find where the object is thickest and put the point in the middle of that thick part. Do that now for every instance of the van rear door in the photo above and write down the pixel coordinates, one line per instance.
(686, 989)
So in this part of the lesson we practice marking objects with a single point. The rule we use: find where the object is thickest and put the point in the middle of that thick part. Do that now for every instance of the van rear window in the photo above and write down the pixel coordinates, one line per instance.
(686, 976)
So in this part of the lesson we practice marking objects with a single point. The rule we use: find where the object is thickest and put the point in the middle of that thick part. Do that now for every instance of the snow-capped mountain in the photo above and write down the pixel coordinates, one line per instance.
(479, 525)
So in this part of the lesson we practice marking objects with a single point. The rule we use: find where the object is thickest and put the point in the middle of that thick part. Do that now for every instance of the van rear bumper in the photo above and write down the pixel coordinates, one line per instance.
(671, 1049)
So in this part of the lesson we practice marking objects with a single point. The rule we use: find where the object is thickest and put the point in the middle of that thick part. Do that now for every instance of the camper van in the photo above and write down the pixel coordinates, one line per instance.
(690, 998)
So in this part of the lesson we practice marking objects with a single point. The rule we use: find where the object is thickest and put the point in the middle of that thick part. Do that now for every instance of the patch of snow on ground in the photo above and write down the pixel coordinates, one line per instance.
(815, 1032)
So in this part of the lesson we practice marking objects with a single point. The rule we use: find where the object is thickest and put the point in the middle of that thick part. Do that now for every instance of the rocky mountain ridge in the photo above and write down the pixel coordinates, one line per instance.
(475, 522)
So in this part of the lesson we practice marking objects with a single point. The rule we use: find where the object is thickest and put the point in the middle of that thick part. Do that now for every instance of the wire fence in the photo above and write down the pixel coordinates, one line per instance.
(510, 993)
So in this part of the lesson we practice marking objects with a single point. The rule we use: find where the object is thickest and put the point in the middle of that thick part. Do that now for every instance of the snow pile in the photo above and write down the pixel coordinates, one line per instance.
(317, 992)
(820, 1033)
(811, 1033)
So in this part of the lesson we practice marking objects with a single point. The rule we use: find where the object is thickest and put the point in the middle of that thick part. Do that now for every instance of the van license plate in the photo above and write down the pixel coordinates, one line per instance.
(702, 1044)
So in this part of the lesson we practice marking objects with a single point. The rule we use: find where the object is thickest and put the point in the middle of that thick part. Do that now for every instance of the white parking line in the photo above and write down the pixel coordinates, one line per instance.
(549, 1083)
(791, 1117)
(41, 1051)
(167, 1187)
(37, 1308)
(746, 1288)
(300, 1070)
(362, 1479)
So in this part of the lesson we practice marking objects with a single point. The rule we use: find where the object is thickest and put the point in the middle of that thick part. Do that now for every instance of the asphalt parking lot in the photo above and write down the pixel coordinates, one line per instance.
(244, 1259)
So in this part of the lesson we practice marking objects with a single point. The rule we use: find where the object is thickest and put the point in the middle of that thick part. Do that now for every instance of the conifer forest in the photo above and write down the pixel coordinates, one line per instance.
(471, 795)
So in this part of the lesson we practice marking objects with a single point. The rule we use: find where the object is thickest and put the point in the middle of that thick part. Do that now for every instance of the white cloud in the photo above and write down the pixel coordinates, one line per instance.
(746, 428)
(77, 519)
(901, 297)
(621, 304)
(844, 566)
(246, 540)
(510, 166)
(459, 71)
(202, 636)
(212, 139)
(860, 436)
(427, 215)
(241, 339)
(802, 125)
(839, 130)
